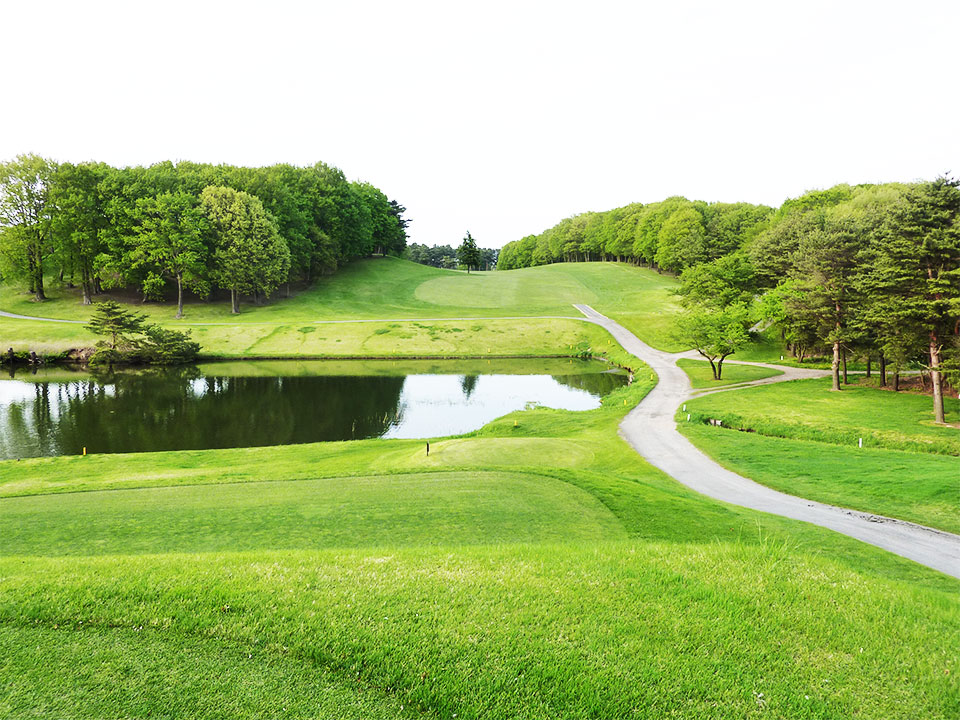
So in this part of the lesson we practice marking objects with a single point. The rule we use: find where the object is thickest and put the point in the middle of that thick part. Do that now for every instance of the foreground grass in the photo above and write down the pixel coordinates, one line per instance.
(702, 377)
(804, 441)
(617, 630)
(449, 508)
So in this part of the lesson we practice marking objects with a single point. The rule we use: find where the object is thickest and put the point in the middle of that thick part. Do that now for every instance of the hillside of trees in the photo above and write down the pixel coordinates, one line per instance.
(871, 271)
(186, 225)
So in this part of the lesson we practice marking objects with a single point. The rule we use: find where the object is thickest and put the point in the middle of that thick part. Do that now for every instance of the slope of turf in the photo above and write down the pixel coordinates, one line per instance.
(387, 290)
(701, 376)
(804, 441)
(920, 487)
(808, 409)
(450, 508)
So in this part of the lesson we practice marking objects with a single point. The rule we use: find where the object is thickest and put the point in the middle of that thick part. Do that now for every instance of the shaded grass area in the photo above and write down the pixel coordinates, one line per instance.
(809, 410)
(702, 377)
(920, 487)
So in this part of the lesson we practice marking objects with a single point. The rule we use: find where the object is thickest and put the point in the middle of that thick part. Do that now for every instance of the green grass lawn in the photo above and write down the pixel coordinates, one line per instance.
(805, 442)
(809, 410)
(390, 289)
(534, 568)
(701, 376)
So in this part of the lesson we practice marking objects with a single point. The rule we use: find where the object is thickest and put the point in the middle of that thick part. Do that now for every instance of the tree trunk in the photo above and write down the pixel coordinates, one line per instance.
(868, 365)
(843, 356)
(835, 365)
(719, 369)
(936, 378)
(713, 369)
(179, 295)
(234, 302)
(36, 265)
(896, 380)
(86, 286)
(883, 370)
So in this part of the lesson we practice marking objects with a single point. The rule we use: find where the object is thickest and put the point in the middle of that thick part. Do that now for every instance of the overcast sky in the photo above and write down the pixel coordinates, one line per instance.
(498, 118)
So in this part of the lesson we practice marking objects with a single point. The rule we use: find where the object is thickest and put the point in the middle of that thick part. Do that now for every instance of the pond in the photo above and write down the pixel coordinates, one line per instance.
(59, 411)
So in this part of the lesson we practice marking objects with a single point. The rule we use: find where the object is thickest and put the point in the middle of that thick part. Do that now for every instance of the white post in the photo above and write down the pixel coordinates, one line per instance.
(860, 443)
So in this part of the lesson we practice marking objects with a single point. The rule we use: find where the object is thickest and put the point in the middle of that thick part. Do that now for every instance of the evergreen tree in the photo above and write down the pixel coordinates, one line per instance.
(468, 253)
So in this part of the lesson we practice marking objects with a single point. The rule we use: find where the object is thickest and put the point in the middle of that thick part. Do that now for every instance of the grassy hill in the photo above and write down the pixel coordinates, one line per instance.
(388, 290)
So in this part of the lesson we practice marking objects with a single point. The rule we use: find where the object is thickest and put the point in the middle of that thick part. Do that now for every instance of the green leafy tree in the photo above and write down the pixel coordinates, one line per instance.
(714, 332)
(249, 256)
(681, 241)
(25, 217)
(78, 220)
(468, 253)
(170, 241)
(724, 281)
(132, 339)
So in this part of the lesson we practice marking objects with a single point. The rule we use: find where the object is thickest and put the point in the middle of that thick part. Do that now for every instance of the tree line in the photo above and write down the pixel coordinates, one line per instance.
(871, 271)
(191, 226)
(446, 256)
(671, 235)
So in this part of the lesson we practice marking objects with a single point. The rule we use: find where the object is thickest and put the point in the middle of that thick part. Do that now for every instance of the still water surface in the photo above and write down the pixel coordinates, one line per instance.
(219, 405)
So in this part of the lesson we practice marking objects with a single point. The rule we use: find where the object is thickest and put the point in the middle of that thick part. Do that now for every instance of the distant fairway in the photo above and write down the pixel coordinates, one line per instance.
(387, 290)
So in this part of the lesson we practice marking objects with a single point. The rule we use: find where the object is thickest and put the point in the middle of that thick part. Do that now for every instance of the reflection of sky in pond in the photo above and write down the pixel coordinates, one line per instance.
(436, 405)
(174, 409)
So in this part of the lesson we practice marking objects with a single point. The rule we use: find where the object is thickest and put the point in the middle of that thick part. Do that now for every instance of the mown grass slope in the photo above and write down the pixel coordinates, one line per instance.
(387, 290)
(804, 440)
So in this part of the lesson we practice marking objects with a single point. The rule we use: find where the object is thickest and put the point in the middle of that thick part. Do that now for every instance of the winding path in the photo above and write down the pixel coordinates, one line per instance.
(651, 430)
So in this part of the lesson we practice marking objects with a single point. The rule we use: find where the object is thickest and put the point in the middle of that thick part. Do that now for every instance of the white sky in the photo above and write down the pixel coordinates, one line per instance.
(497, 117)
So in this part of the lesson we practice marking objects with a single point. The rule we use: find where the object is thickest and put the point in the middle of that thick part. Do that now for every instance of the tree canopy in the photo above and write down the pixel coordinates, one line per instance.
(142, 228)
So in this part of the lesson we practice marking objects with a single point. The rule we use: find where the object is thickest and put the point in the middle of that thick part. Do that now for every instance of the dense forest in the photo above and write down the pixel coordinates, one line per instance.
(187, 226)
(871, 271)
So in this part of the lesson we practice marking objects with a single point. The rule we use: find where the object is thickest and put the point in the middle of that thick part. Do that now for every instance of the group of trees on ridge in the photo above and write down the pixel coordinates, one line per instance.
(867, 270)
(195, 226)
(670, 235)
(446, 256)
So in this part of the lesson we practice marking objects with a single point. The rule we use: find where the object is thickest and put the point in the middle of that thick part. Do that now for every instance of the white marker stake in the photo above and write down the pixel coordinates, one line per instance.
(688, 417)
(860, 444)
